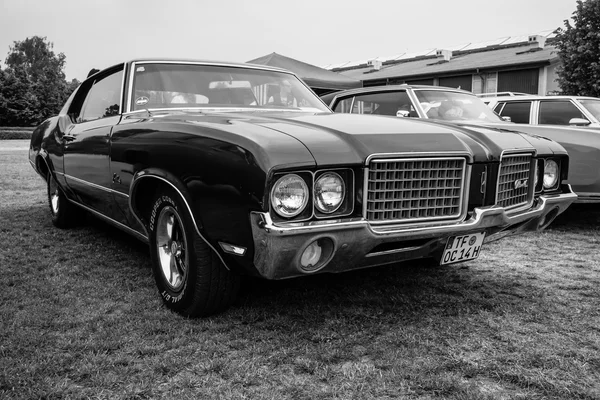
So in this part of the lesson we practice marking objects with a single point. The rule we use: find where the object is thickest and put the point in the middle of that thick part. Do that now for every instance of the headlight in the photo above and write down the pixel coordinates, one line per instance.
(329, 192)
(550, 174)
(289, 195)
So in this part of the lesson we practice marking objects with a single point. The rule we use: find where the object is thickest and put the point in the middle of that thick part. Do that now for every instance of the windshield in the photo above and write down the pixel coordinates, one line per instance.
(171, 85)
(593, 106)
(455, 106)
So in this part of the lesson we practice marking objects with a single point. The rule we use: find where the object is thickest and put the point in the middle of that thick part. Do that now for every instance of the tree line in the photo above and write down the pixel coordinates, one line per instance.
(33, 86)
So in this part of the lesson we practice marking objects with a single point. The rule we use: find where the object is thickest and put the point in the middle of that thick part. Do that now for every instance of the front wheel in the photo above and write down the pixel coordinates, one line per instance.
(190, 277)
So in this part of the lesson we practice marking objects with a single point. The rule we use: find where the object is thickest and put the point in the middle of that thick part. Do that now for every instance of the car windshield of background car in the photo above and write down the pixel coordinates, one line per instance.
(593, 106)
(170, 85)
(454, 106)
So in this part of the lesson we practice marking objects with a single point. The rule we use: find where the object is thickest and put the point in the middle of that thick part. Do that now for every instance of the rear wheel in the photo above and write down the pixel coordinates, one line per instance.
(190, 277)
(64, 213)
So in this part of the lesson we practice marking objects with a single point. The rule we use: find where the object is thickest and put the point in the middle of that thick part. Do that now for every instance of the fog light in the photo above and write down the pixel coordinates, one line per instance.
(311, 255)
(316, 255)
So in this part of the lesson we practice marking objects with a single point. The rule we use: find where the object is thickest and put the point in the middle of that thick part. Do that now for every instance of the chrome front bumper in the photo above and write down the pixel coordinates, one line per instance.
(358, 244)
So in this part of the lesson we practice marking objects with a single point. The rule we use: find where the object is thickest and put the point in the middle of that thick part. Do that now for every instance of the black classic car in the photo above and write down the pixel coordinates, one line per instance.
(462, 108)
(230, 169)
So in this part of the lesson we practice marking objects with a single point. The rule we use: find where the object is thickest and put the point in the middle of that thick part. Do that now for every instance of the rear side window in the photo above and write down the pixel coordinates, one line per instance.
(383, 103)
(103, 99)
(343, 106)
(558, 112)
(518, 111)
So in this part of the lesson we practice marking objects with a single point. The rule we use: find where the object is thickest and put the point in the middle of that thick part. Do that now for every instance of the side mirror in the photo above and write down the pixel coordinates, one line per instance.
(402, 113)
(507, 119)
(579, 122)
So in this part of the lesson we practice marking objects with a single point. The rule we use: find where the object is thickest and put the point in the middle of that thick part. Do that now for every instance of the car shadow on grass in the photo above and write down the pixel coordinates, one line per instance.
(578, 217)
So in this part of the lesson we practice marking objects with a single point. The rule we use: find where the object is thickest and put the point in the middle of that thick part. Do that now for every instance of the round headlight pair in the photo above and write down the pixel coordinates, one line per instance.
(550, 174)
(290, 194)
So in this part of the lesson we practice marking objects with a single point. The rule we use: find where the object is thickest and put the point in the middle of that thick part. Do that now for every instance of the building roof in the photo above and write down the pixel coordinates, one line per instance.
(314, 76)
(467, 61)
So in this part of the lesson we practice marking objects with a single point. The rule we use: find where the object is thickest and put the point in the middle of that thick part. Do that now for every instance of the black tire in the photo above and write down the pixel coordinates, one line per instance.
(190, 276)
(64, 213)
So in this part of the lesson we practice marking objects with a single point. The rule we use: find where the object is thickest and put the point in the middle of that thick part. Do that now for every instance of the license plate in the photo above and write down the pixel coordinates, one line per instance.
(462, 248)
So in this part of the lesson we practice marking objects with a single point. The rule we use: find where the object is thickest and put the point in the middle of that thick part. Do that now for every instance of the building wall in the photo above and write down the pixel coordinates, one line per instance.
(551, 76)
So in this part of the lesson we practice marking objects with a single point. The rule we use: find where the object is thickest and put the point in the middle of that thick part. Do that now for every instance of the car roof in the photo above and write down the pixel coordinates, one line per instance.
(328, 98)
(195, 61)
(537, 97)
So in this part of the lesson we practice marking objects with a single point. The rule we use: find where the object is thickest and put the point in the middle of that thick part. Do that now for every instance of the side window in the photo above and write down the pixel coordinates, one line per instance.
(103, 99)
(384, 103)
(343, 106)
(498, 107)
(558, 112)
(518, 111)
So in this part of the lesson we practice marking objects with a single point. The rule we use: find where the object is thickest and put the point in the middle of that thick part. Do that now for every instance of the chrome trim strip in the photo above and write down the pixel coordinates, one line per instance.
(141, 175)
(111, 221)
(475, 222)
(95, 186)
(395, 251)
(218, 109)
(420, 154)
(87, 183)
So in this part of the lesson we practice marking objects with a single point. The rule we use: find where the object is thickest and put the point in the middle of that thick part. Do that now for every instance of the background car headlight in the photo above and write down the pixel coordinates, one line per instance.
(329, 192)
(289, 195)
(550, 174)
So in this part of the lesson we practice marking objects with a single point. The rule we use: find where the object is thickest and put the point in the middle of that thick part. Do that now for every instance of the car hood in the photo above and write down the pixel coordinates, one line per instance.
(334, 139)
(544, 144)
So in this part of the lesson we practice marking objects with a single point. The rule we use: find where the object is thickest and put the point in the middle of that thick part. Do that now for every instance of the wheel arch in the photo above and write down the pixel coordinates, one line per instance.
(148, 182)
(42, 166)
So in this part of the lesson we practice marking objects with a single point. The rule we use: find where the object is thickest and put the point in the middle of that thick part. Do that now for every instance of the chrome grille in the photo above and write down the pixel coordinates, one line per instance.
(413, 190)
(514, 185)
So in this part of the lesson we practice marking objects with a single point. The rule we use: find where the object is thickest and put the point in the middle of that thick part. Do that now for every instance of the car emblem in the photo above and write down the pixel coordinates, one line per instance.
(140, 101)
(520, 183)
(472, 240)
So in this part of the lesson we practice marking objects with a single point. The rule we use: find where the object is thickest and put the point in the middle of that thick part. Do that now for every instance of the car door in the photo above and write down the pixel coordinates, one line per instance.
(86, 152)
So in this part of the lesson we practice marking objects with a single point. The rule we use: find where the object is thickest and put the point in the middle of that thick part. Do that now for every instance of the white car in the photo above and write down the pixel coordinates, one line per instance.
(548, 110)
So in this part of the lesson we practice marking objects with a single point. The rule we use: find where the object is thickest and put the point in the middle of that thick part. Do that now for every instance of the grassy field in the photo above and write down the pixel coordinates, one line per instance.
(8, 133)
(80, 318)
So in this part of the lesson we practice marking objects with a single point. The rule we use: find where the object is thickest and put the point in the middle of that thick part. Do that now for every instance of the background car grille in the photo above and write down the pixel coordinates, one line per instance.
(514, 168)
(411, 190)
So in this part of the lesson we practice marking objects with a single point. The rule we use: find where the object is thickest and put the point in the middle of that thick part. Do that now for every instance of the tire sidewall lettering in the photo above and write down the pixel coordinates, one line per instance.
(159, 204)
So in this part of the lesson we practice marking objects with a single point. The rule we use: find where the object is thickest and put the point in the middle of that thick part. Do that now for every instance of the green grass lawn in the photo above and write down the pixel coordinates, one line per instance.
(8, 133)
(81, 318)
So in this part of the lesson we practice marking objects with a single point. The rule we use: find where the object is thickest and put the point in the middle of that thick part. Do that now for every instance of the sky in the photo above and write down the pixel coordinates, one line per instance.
(98, 34)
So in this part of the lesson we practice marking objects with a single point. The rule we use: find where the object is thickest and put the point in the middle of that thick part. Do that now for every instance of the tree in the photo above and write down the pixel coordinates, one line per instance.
(18, 106)
(579, 51)
(37, 88)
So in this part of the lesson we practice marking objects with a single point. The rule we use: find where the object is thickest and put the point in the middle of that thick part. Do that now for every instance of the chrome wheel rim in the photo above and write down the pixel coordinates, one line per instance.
(171, 246)
(54, 204)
